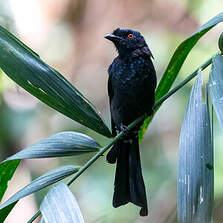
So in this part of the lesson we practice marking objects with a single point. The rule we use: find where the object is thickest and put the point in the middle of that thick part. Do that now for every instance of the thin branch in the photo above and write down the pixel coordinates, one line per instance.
(34, 217)
(138, 120)
(104, 149)
(185, 81)
(132, 125)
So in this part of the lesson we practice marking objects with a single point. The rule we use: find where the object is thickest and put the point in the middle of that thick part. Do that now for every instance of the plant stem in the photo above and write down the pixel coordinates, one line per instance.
(34, 217)
(104, 149)
(94, 158)
(185, 81)
(133, 124)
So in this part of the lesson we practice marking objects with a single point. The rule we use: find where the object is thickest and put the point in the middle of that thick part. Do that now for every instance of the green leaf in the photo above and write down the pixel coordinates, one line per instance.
(25, 67)
(176, 63)
(60, 144)
(60, 205)
(220, 43)
(6, 172)
(5, 212)
(195, 165)
(216, 86)
(41, 182)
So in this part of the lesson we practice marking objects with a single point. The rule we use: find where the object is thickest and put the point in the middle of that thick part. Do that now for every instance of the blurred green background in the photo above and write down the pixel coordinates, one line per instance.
(68, 34)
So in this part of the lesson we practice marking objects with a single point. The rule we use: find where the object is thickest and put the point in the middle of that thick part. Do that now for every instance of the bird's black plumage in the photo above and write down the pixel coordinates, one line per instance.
(131, 89)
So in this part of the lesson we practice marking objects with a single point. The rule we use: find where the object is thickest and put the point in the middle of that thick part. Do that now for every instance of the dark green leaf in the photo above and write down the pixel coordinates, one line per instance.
(41, 182)
(5, 212)
(25, 67)
(6, 172)
(220, 42)
(61, 144)
(177, 61)
(216, 86)
(60, 205)
(195, 170)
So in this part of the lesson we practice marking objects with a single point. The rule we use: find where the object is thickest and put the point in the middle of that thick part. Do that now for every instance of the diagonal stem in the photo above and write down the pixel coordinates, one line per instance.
(104, 149)
(138, 120)
(34, 217)
(185, 81)
(132, 125)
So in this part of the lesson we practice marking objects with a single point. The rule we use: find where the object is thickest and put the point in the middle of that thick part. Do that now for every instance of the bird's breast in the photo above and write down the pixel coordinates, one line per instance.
(130, 74)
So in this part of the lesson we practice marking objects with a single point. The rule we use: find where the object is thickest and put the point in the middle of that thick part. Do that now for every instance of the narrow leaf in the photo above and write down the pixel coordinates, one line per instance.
(216, 86)
(41, 182)
(6, 211)
(176, 63)
(195, 166)
(6, 172)
(25, 67)
(60, 144)
(60, 205)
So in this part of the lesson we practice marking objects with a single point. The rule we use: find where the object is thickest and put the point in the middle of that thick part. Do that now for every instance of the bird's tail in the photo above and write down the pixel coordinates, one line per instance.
(129, 184)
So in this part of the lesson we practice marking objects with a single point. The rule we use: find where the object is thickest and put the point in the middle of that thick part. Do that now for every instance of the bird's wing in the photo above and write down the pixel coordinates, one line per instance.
(110, 94)
(151, 73)
(147, 51)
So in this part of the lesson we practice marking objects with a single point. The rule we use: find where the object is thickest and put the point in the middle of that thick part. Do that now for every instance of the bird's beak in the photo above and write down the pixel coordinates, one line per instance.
(113, 37)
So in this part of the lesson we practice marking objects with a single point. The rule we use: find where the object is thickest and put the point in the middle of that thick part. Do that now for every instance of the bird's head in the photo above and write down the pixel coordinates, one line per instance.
(126, 40)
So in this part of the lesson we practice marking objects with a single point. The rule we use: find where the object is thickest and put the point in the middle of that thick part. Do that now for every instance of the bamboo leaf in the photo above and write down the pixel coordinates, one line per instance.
(216, 86)
(58, 145)
(5, 212)
(26, 68)
(176, 63)
(61, 144)
(195, 168)
(6, 172)
(60, 205)
(41, 182)
(220, 43)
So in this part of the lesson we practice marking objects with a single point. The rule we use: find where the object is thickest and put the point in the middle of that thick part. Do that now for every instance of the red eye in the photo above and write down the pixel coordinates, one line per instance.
(130, 36)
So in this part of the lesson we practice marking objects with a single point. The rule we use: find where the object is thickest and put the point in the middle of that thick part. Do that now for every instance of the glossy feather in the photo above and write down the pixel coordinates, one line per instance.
(131, 89)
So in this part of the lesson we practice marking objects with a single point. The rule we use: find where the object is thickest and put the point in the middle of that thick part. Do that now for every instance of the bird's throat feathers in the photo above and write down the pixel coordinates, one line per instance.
(131, 54)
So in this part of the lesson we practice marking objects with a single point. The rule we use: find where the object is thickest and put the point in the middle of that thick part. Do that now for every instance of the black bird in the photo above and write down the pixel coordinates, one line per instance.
(131, 89)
